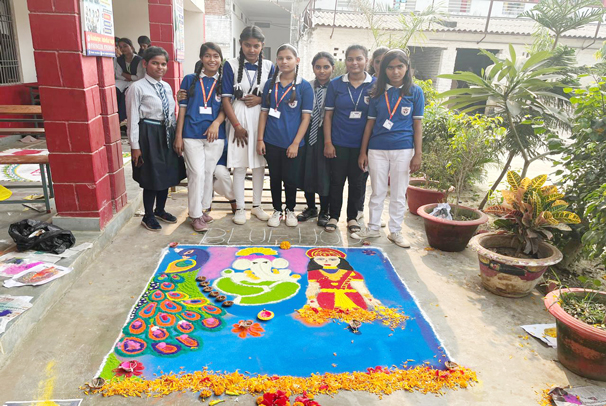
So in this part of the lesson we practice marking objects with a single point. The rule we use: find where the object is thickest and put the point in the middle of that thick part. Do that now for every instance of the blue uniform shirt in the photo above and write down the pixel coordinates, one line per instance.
(401, 134)
(229, 76)
(282, 131)
(348, 132)
(196, 123)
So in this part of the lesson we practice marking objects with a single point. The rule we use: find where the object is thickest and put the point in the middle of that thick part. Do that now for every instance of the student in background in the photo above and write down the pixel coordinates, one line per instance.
(151, 123)
(200, 132)
(393, 138)
(287, 105)
(243, 81)
(223, 184)
(144, 43)
(316, 178)
(128, 68)
(344, 122)
(375, 61)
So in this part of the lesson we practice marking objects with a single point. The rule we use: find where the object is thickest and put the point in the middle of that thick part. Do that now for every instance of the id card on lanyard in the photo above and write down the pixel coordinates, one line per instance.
(206, 109)
(388, 123)
(355, 114)
(274, 112)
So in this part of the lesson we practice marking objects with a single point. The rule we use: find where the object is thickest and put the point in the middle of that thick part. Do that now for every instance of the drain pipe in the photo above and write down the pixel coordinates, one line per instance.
(487, 21)
(334, 20)
(595, 36)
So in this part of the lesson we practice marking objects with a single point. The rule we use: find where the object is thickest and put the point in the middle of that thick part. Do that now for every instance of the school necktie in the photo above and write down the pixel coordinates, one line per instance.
(316, 115)
(165, 110)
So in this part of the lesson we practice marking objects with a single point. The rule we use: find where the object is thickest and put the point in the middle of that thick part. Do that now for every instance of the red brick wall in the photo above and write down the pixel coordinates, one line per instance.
(217, 7)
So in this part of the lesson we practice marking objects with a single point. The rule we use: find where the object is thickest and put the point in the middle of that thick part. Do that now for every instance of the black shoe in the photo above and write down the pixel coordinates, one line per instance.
(151, 224)
(323, 218)
(166, 217)
(307, 214)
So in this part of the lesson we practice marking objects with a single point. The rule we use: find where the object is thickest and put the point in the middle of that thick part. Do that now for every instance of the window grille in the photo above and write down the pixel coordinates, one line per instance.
(9, 57)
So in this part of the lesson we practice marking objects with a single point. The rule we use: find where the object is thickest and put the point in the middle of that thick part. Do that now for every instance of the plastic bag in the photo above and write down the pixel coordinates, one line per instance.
(41, 236)
(442, 210)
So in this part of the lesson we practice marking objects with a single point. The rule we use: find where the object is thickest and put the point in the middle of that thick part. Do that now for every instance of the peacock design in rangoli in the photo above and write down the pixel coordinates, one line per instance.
(172, 312)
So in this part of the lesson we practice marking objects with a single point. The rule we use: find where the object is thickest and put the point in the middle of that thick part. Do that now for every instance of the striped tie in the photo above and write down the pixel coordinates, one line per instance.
(316, 115)
(165, 110)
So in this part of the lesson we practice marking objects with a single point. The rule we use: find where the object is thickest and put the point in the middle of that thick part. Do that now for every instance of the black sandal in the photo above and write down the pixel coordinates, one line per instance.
(353, 226)
(331, 226)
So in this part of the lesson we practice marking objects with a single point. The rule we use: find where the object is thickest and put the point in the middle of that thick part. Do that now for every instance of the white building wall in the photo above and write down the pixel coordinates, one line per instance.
(194, 37)
(131, 19)
(24, 41)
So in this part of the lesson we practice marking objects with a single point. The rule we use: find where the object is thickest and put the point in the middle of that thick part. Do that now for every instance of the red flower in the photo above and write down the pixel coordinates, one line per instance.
(129, 368)
(306, 401)
(376, 370)
(275, 399)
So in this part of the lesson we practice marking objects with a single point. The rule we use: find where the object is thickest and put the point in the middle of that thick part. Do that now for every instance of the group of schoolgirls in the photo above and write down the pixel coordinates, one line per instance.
(313, 136)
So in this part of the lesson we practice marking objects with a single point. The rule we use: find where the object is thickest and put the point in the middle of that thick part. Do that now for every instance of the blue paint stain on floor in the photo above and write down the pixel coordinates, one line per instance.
(290, 347)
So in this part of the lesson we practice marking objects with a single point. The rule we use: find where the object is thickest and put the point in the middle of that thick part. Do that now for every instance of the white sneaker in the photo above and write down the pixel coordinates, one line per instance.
(291, 219)
(399, 240)
(239, 217)
(259, 213)
(360, 215)
(274, 220)
(366, 233)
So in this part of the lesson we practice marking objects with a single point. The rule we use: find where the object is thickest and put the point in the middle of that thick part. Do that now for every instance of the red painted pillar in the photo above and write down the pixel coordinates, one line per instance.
(78, 101)
(162, 34)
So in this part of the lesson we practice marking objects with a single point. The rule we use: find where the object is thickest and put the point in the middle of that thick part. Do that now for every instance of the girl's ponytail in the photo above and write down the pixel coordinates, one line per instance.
(238, 92)
(293, 96)
(197, 71)
(257, 91)
(272, 84)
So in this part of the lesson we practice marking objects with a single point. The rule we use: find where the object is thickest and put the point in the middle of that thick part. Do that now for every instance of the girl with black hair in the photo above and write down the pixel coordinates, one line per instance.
(393, 138)
(144, 43)
(243, 81)
(375, 60)
(287, 106)
(200, 135)
(128, 68)
(150, 105)
(316, 177)
(347, 102)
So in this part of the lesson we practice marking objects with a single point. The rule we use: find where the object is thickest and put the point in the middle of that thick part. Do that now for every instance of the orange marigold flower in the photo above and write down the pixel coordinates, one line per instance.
(285, 245)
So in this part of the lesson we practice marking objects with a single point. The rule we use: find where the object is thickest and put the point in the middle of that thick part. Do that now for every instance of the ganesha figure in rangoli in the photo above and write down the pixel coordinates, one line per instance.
(258, 277)
(333, 283)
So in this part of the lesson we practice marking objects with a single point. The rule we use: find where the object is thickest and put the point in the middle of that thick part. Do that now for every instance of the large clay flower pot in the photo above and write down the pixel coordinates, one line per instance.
(509, 276)
(418, 196)
(581, 347)
(450, 235)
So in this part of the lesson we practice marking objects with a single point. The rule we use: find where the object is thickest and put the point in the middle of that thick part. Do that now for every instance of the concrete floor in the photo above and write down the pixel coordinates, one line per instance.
(480, 330)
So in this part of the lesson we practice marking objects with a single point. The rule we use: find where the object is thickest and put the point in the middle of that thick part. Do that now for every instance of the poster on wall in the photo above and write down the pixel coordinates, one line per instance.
(179, 27)
(97, 27)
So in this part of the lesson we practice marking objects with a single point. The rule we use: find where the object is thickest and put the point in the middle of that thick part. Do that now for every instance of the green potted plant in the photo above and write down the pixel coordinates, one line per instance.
(513, 261)
(580, 315)
(473, 145)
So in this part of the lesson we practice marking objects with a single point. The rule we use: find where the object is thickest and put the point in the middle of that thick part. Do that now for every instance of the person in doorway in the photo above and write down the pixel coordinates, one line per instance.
(128, 68)
(243, 81)
(316, 177)
(391, 147)
(144, 43)
(150, 108)
(287, 106)
(347, 102)
(201, 133)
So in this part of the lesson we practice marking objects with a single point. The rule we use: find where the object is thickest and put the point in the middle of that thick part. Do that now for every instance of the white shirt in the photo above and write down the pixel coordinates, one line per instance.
(142, 101)
(122, 83)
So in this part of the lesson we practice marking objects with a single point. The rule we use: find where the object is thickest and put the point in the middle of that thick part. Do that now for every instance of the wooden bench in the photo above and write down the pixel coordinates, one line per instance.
(45, 175)
(20, 110)
(36, 131)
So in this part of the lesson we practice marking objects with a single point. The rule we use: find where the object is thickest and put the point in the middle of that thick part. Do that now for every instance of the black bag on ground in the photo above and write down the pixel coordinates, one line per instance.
(41, 236)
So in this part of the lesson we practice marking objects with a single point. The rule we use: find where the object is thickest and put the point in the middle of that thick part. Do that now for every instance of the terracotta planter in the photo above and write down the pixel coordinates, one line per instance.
(417, 196)
(510, 276)
(581, 347)
(450, 235)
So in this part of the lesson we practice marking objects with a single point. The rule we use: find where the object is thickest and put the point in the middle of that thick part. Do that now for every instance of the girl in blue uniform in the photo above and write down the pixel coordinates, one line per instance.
(347, 103)
(316, 178)
(200, 135)
(285, 113)
(393, 138)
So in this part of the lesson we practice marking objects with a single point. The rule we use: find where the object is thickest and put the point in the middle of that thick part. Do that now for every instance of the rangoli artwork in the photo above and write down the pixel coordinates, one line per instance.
(228, 319)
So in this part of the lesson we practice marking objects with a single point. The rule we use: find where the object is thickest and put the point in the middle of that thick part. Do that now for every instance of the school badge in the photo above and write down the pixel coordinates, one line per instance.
(366, 99)
(405, 111)
(218, 98)
(293, 104)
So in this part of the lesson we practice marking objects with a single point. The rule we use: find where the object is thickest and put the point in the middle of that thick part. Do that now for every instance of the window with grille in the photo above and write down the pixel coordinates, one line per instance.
(9, 58)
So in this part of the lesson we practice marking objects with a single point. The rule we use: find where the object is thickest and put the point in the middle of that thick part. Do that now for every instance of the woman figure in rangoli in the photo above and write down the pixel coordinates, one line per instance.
(333, 283)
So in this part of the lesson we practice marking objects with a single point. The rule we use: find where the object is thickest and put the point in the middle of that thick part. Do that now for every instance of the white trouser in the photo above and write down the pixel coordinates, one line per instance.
(257, 181)
(223, 184)
(388, 168)
(201, 158)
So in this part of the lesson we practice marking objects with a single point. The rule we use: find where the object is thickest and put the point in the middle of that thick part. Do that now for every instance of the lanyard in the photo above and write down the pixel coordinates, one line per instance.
(284, 95)
(251, 81)
(389, 110)
(351, 97)
(204, 98)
